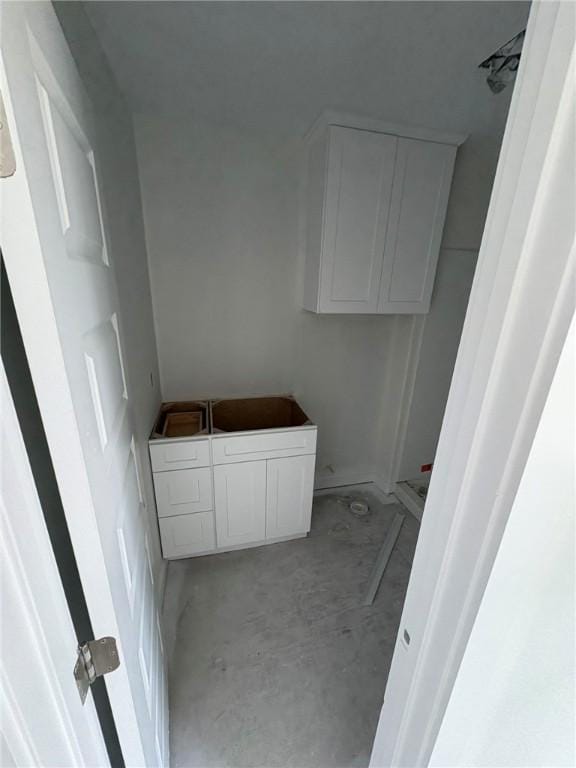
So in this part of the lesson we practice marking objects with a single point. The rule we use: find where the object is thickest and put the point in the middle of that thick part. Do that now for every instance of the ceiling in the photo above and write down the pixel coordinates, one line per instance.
(275, 65)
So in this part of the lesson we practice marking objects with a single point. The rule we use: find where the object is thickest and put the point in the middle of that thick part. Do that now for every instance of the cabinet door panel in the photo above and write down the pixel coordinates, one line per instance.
(419, 200)
(187, 535)
(289, 488)
(240, 503)
(360, 175)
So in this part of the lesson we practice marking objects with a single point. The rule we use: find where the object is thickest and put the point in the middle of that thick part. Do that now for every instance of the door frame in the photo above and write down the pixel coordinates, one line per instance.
(521, 305)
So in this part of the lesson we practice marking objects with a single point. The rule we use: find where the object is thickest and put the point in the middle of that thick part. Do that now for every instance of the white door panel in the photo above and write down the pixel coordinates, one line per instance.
(73, 173)
(240, 503)
(61, 267)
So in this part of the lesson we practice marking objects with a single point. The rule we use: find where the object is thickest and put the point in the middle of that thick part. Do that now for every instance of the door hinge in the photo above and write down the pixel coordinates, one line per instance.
(95, 658)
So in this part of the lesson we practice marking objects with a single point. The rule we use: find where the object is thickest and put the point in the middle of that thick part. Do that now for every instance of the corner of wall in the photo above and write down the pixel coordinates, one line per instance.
(135, 118)
(396, 397)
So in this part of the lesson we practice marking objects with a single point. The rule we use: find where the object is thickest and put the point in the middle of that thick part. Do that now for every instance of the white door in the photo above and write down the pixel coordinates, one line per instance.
(359, 184)
(240, 503)
(42, 721)
(289, 489)
(419, 199)
(61, 269)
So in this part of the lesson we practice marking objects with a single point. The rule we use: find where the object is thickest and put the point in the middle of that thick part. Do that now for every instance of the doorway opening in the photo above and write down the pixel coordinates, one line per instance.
(218, 249)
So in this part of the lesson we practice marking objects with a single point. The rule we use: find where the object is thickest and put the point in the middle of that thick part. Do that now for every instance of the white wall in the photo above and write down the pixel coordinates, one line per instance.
(341, 369)
(222, 241)
(221, 212)
(221, 209)
(123, 210)
(440, 339)
(513, 702)
(222, 227)
(223, 93)
(472, 186)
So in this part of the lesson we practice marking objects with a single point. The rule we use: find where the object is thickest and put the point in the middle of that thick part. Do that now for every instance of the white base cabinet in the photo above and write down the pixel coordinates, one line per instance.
(256, 487)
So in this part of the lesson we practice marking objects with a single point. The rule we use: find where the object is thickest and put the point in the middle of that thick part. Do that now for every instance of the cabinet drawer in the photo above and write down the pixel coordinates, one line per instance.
(187, 535)
(180, 455)
(227, 450)
(183, 492)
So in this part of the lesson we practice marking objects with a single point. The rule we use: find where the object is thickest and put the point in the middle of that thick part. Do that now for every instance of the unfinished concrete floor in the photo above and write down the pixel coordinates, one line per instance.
(274, 660)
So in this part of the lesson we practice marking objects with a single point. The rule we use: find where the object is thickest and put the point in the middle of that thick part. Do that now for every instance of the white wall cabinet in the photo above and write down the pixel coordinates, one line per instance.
(240, 503)
(375, 209)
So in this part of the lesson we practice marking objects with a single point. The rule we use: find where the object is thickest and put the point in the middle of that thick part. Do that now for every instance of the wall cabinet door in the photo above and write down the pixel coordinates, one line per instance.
(419, 200)
(289, 488)
(240, 503)
(357, 203)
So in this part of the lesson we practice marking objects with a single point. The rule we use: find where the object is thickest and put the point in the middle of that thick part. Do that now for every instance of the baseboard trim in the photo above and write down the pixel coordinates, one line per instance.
(410, 499)
(337, 480)
(379, 486)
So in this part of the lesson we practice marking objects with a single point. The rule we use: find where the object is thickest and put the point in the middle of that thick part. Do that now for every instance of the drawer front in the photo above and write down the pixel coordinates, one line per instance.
(183, 492)
(228, 450)
(181, 455)
(187, 535)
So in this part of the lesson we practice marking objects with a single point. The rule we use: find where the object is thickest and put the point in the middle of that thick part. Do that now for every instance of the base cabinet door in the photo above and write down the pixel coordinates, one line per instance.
(289, 488)
(186, 535)
(240, 503)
